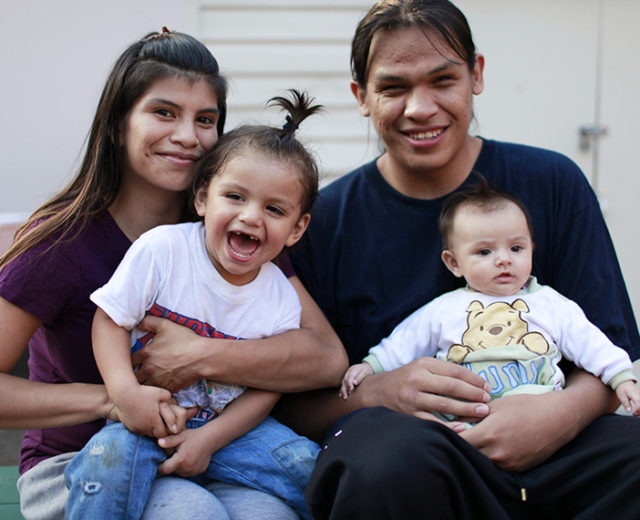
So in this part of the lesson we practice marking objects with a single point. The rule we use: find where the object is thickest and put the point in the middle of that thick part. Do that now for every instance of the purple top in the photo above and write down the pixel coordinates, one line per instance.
(55, 288)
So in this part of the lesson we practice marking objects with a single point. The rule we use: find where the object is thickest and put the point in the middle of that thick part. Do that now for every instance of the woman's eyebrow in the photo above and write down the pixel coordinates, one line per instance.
(162, 101)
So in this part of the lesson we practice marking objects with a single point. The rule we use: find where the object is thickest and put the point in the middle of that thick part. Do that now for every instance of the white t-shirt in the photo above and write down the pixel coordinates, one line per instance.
(167, 271)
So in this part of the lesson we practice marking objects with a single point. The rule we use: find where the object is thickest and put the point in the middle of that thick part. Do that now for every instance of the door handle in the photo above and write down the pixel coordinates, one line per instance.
(589, 133)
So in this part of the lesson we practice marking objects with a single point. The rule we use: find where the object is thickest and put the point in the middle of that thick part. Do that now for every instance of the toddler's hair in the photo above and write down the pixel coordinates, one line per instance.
(480, 196)
(278, 143)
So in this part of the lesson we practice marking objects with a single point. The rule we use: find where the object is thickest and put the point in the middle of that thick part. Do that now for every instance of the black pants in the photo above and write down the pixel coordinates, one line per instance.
(379, 464)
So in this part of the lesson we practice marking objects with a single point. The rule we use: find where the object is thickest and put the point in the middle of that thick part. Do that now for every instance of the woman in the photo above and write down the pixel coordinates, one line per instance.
(163, 106)
(372, 254)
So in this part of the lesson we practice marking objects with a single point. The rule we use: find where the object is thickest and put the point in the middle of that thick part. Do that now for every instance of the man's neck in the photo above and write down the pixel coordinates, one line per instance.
(435, 183)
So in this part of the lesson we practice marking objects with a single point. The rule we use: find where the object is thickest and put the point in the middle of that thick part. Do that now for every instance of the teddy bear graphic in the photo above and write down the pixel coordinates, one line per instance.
(497, 325)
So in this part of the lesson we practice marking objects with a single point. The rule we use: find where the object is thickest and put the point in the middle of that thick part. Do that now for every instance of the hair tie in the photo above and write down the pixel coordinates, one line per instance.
(290, 127)
(156, 35)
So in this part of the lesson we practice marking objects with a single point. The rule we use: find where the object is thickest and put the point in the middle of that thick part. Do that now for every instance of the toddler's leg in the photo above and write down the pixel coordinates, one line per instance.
(111, 476)
(270, 458)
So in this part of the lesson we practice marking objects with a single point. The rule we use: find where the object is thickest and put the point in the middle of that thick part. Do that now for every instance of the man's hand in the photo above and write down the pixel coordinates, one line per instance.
(424, 386)
(522, 431)
(166, 362)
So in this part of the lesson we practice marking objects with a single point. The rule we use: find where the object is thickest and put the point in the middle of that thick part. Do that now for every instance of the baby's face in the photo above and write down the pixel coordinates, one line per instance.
(492, 249)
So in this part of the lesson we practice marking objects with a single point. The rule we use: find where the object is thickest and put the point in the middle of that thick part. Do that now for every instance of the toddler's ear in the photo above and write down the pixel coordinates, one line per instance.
(200, 201)
(298, 230)
(450, 261)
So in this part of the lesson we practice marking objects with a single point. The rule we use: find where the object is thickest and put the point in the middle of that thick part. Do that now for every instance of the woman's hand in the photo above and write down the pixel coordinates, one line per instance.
(145, 410)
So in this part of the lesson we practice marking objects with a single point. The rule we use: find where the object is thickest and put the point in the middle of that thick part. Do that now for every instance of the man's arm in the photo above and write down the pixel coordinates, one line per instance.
(297, 360)
(418, 388)
(523, 431)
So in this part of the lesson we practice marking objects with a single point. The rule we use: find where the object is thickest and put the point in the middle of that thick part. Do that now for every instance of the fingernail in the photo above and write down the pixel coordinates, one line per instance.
(174, 428)
(482, 409)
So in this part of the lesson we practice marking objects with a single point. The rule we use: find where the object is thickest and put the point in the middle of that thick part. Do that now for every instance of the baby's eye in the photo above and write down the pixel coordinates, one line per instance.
(516, 249)
(233, 196)
(484, 252)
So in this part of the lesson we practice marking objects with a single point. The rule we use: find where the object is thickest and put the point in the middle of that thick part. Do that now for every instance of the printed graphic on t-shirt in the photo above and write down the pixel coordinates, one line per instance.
(498, 345)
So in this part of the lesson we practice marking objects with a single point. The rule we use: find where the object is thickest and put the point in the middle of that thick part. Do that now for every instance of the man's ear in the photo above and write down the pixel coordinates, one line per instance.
(361, 97)
(477, 75)
(200, 200)
(298, 230)
(450, 261)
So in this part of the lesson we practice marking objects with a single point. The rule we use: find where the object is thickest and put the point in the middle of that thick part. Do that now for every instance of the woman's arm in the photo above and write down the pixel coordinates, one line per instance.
(32, 404)
(297, 360)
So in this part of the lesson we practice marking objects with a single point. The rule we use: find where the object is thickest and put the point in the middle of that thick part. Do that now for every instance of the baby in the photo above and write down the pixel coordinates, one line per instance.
(503, 325)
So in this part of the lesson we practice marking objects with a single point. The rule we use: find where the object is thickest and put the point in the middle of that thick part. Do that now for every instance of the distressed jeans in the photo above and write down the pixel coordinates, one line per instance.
(111, 476)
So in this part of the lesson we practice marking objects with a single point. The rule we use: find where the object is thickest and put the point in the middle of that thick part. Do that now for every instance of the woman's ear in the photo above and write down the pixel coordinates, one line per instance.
(298, 230)
(450, 261)
(200, 200)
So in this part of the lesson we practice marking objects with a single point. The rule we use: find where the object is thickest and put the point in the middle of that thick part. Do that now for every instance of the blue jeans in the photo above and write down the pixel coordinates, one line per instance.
(111, 476)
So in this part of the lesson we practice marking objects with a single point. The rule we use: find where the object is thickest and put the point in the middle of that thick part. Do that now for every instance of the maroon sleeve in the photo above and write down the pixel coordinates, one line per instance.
(285, 265)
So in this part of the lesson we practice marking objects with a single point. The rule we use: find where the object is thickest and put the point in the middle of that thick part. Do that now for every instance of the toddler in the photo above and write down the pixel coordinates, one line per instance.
(253, 193)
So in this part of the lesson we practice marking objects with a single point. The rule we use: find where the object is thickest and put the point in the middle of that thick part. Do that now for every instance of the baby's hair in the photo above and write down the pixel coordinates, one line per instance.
(275, 142)
(480, 196)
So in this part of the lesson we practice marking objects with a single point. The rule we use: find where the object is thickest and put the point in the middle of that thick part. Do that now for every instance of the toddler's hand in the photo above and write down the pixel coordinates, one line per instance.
(353, 377)
(189, 453)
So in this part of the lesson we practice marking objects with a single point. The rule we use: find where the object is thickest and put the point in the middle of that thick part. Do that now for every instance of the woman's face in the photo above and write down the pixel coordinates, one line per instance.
(166, 133)
(419, 98)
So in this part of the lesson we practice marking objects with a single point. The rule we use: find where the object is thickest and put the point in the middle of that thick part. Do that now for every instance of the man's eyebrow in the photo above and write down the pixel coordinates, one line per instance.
(394, 77)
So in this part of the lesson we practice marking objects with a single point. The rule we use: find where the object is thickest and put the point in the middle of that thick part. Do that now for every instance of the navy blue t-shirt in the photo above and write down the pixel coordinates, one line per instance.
(371, 255)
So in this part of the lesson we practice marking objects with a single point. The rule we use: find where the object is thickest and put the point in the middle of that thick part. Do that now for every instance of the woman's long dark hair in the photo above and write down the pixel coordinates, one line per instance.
(98, 180)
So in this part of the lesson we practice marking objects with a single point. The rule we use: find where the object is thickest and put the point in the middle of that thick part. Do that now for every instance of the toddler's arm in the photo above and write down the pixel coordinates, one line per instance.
(629, 395)
(142, 409)
(194, 447)
(353, 377)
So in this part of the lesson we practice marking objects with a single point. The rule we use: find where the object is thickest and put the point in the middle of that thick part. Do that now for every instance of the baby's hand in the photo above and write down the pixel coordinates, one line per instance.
(353, 377)
(629, 395)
